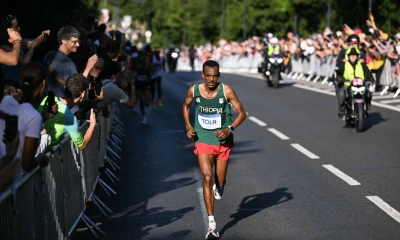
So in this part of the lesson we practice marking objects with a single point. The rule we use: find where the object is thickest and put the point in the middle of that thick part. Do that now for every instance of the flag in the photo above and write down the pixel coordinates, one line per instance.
(372, 19)
(347, 29)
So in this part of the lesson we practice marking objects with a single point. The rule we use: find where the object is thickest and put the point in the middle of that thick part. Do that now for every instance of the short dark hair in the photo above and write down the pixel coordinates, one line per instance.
(102, 28)
(66, 33)
(123, 78)
(210, 63)
(75, 85)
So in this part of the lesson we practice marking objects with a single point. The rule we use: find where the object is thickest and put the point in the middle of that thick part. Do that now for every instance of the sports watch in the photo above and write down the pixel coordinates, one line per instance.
(231, 128)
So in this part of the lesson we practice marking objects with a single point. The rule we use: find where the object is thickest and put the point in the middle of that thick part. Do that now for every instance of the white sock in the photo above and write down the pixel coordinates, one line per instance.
(211, 222)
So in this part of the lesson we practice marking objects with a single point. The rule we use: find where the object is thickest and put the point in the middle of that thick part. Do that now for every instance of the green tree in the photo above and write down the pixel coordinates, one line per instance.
(198, 21)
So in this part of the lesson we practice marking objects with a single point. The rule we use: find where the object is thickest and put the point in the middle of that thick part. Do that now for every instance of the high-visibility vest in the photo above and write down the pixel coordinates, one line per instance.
(271, 49)
(350, 72)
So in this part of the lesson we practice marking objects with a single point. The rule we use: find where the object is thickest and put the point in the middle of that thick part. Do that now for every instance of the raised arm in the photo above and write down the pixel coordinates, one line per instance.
(11, 58)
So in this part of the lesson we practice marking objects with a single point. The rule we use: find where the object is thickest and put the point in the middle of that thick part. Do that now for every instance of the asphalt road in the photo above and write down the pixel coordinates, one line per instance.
(295, 171)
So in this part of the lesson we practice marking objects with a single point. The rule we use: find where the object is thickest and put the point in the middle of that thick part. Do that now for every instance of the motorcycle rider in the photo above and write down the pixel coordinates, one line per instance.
(273, 49)
(172, 58)
(353, 40)
(351, 68)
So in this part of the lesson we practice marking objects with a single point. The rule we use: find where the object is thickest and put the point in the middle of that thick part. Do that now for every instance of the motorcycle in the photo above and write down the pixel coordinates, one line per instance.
(172, 59)
(355, 104)
(273, 69)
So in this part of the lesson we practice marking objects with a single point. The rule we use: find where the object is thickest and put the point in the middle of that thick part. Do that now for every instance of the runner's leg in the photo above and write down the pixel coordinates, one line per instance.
(221, 168)
(206, 167)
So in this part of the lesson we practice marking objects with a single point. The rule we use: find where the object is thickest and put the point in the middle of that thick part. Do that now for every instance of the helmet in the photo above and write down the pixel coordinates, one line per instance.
(274, 40)
(353, 39)
(352, 51)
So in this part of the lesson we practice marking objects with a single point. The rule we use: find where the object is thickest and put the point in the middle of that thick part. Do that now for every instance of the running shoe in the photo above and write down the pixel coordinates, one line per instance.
(212, 233)
(218, 192)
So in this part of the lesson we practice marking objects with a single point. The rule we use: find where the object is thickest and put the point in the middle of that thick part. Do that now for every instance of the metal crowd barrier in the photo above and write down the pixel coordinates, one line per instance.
(48, 203)
(308, 68)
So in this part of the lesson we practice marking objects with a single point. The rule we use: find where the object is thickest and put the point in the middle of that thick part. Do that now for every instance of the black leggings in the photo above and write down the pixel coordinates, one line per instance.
(154, 82)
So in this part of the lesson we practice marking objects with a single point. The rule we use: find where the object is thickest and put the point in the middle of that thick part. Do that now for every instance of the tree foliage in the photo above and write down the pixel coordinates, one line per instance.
(200, 21)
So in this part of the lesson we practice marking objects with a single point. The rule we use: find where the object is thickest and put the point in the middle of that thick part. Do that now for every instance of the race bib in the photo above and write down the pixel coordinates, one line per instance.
(209, 121)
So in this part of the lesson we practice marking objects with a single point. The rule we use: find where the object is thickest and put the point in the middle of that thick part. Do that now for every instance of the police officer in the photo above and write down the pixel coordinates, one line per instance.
(352, 68)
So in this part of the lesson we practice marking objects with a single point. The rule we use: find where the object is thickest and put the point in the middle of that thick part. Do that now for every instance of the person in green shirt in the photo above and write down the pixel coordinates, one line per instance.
(213, 133)
(66, 122)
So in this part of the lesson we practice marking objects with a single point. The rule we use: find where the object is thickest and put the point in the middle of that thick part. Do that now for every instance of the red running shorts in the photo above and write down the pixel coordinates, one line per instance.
(220, 152)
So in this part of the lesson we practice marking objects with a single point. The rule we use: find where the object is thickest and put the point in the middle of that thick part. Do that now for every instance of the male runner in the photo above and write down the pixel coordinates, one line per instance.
(212, 133)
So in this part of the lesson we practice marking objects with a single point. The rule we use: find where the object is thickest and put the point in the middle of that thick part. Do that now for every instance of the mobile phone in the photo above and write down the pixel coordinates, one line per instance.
(45, 37)
(92, 49)
(50, 101)
(91, 93)
(11, 128)
(98, 87)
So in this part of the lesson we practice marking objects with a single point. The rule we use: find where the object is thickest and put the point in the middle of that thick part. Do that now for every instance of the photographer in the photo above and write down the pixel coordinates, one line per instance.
(114, 91)
(64, 121)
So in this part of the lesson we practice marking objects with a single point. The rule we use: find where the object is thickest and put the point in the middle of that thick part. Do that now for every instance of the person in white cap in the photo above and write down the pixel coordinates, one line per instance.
(273, 48)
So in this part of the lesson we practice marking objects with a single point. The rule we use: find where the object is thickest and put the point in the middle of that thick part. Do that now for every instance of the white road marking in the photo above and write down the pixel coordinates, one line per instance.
(379, 97)
(278, 134)
(391, 101)
(333, 94)
(341, 175)
(203, 207)
(385, 207)
(385, 106)
(304, 151)
(314, 89)
(258, 121)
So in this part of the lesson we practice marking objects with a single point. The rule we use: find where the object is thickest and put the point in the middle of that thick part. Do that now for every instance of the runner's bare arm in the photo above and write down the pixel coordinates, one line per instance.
(186, 110)
(233, 99)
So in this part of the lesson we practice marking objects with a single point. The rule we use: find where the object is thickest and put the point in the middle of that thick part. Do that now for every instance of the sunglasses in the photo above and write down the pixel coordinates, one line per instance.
(75, 42)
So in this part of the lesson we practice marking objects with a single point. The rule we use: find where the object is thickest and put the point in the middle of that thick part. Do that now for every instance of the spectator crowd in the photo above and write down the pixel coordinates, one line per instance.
(376, 47)
(42, 101)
